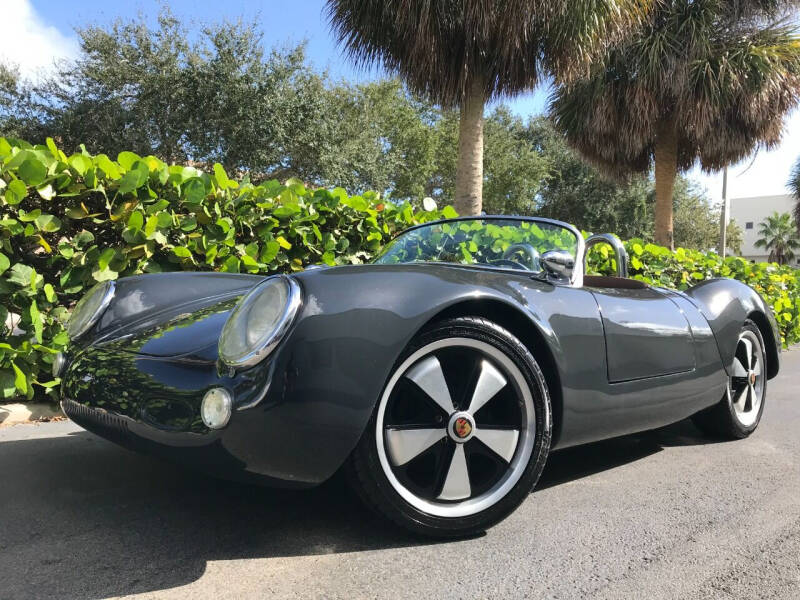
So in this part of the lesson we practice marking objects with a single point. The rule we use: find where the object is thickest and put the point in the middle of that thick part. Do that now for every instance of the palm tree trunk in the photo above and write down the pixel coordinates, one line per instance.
(469, 173)
(666, 158)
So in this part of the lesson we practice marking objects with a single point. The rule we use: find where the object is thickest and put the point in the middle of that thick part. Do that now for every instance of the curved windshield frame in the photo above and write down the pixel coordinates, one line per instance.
(499, 242)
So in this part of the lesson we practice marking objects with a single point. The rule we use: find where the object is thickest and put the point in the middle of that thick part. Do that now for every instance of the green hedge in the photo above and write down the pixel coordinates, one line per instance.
(657, 265)
(67, 222)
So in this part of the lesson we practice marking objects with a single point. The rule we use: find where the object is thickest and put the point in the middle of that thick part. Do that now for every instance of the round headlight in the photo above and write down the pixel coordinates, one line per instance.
(89, 308)
(216, 408)
(259, 321)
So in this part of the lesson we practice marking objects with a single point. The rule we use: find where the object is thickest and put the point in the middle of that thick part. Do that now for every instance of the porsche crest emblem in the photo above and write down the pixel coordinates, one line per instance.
(462, 427)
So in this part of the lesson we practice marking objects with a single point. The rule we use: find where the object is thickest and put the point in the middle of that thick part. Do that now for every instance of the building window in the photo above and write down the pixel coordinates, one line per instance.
(748, 225)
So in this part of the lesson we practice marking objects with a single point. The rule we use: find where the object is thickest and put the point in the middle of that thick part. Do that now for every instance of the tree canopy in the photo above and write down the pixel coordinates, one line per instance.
(267, 113)
(216, 96)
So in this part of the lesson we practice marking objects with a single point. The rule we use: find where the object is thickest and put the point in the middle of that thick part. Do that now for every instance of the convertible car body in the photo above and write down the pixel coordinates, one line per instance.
(440, 375)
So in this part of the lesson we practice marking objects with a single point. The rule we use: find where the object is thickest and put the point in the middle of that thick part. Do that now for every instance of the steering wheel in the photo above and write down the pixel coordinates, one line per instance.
(529, 254)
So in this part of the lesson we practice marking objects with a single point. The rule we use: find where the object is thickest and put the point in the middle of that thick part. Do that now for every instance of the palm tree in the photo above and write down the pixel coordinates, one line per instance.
(462, 54)
(779, 235)
(706, 81)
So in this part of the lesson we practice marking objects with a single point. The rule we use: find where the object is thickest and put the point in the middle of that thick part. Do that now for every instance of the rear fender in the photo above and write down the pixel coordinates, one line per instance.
(726, 304)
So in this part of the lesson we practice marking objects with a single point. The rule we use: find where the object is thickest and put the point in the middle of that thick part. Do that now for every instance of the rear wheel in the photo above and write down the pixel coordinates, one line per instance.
(460, 434)
(739, 412)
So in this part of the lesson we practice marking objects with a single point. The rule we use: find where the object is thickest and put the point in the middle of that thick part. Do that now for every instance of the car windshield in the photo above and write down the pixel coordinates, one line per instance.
(501, 243)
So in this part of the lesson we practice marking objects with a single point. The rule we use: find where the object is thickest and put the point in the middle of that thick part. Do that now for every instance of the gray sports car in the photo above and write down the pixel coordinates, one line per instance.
(439, 377)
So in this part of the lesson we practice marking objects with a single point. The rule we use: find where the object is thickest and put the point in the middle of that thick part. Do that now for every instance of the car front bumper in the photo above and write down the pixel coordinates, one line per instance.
(281, 432)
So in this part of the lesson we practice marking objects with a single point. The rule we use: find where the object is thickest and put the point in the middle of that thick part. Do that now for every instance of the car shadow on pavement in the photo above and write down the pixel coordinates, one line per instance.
(80, 517)
(581, 461)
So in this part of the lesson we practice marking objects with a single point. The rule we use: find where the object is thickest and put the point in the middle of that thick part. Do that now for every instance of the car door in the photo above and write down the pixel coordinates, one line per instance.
(646, 334)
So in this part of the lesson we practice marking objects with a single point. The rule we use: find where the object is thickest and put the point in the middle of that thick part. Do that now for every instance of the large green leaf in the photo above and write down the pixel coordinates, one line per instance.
(104, 274)
(80, 163)
(15, 192)
(36, 319)
(109, 168)
(221, 176)
(20, 379)
(106, 256)
(22, 274)
(8, 387)
(48, 223)
(134, 179)
(136, 220)
(32, 171)
(127, 159)
(194, 191)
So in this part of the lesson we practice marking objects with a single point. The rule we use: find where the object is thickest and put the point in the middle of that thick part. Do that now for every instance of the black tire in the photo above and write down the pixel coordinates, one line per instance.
(721, 420)
(367, 475)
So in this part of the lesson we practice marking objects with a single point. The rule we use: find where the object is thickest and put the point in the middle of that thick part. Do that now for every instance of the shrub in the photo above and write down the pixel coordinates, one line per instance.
(659, 266)
(67, 222)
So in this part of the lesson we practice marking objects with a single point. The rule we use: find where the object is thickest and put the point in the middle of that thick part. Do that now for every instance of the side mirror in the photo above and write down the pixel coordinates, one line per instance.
(558, 263)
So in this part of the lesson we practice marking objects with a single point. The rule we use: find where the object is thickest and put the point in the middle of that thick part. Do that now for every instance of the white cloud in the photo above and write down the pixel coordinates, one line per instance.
(29, 42)
(764, 175)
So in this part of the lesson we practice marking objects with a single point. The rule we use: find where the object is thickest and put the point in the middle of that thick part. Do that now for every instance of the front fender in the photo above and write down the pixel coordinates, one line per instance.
(354, 325)
(726, 304)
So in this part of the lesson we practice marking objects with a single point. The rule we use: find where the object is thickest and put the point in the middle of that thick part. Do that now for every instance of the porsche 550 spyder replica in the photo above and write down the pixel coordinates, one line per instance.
(440, 375)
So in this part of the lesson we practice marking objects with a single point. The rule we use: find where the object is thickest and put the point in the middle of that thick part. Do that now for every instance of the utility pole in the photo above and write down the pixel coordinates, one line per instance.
(723, 219)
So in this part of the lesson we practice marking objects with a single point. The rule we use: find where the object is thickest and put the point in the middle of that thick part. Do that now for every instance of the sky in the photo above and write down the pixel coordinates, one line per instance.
(35, 32)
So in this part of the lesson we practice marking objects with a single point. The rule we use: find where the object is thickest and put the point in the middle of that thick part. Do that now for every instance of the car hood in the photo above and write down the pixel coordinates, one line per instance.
(171, 314)
(182, 314)
(194, 333)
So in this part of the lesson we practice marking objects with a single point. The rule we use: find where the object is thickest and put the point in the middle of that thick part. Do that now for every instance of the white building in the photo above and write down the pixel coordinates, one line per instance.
(748, 214)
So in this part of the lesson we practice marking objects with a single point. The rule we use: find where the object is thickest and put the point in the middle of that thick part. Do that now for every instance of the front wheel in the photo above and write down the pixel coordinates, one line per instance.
(739, 412)
(460, 434)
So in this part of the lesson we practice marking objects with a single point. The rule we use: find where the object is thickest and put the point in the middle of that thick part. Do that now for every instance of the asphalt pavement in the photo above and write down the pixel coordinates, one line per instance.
(664, 514)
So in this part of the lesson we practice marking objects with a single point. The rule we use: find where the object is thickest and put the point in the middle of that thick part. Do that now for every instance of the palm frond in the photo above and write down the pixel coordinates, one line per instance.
(440, 47)
(725, 73)
(778, 234)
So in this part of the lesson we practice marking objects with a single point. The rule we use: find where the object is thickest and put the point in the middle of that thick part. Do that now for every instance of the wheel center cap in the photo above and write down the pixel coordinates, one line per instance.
(752, 378)
(461, 427)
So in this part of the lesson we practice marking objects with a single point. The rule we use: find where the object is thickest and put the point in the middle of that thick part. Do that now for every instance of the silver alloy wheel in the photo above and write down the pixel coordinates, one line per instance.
(746, 385)
(456, 430)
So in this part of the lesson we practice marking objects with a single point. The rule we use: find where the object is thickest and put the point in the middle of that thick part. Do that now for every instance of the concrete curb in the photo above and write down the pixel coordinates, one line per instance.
(14, 414)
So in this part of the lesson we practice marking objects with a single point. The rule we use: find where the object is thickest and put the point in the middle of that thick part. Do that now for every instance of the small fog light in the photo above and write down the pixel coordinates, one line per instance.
(59, 362)
(216, 408)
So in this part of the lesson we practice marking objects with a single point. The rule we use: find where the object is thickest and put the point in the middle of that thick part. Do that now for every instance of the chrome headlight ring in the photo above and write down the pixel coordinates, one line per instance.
(259, 321)
(90, 308)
